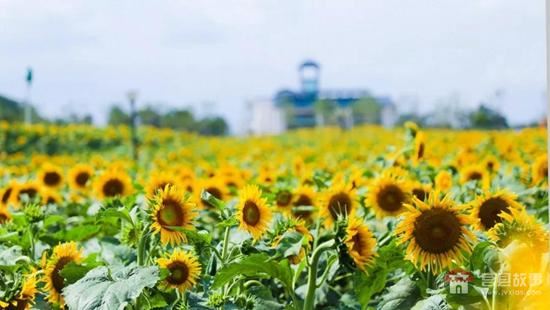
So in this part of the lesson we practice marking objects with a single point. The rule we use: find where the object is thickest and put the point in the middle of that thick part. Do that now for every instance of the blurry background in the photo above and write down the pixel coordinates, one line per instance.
(265, 66)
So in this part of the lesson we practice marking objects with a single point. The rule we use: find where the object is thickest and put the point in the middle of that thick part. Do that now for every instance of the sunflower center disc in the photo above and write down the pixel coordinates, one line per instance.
(170, 213)
(391, 198)
(52, 178)
(179, 272)
(6, 195)
(113, 187)
(251, 213)
(57, 280)
(82, 178)
(490, 210)
(339, 204)
(284, 198)
(437, 231)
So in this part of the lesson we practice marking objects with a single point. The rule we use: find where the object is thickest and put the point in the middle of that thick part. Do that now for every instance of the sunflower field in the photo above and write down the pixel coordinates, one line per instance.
(368, 218)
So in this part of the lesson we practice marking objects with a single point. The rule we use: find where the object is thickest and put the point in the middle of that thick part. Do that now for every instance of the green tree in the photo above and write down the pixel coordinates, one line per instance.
(179, 120)
(117, 116)
(487, 118)
(324, 111)
(213, 126)
(149, 116)
(367, 110)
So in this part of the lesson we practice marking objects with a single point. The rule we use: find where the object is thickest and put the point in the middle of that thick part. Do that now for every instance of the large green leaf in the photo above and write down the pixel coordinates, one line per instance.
(104, 289)
(435, 302)
(255, 265)
(401, 295)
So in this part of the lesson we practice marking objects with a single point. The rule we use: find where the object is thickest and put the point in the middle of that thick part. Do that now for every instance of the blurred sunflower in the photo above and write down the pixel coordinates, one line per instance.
(491, 163)
(183, 268)
(519, 226)
(253, 212)
(28, 190)
(170, 207)
(80, 176)
(50, 197)
(304, 198)
(6, 193)
(283, 199)
(113, 183)
(436, 233)
(338, 201)
(420, 190)
(539, 171)
(360, 243)
(4, 215)
(159, 180)
(215, 187)
(62, 255)
(51, 176)
(419, 146)
(387, 196)
(475, 173)
(25, 299)
(443, 181)
(487, 208)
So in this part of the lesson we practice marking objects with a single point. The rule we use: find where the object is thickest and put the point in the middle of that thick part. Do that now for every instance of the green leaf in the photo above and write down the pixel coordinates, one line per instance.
(104, 289)
(121, 213)
(213, 201)
(435, 302)
(255, 265)
(401, 295)
(10, 256)
(290, 243)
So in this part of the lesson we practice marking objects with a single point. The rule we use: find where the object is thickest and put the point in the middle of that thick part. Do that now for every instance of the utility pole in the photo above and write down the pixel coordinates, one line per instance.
(27, 105)
(132, 96)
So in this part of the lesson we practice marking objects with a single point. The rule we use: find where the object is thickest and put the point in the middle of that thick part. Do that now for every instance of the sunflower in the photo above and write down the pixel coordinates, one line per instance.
(491, 163)
(487, 209)
(5, 215)
(158, 181)
(62, 255)
(539, 171)
(50, 197)
(421, 190)
(215, 187)
(283, 199)
(338, 201)
(26, 296)
(29, 190)
(113, 183)
(443, 181)
(80, 176)
(183, 268)
(304, 196)
(253, 213)
(6, 193)
(360, 243)
(519, 226)
(419, 146)
(170, 207)
(387, 196)
(475, 173)
(51, 176)
(436, 233)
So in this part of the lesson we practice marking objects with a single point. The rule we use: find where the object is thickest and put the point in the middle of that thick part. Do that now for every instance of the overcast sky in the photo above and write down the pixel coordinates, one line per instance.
(87, 54)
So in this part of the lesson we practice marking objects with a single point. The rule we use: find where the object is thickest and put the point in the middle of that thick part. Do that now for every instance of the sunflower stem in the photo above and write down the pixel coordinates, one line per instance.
(312, 274)
(225, 244)
(142, 246)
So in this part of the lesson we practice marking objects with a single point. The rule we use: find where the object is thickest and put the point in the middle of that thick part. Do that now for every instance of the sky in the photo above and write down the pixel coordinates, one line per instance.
(215, 56)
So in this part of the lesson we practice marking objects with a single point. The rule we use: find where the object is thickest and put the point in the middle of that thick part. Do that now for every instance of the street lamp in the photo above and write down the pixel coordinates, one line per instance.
(132, 96)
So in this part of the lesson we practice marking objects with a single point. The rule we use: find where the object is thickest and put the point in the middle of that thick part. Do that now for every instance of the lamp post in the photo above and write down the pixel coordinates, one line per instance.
(132, 96)
(27, 106)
